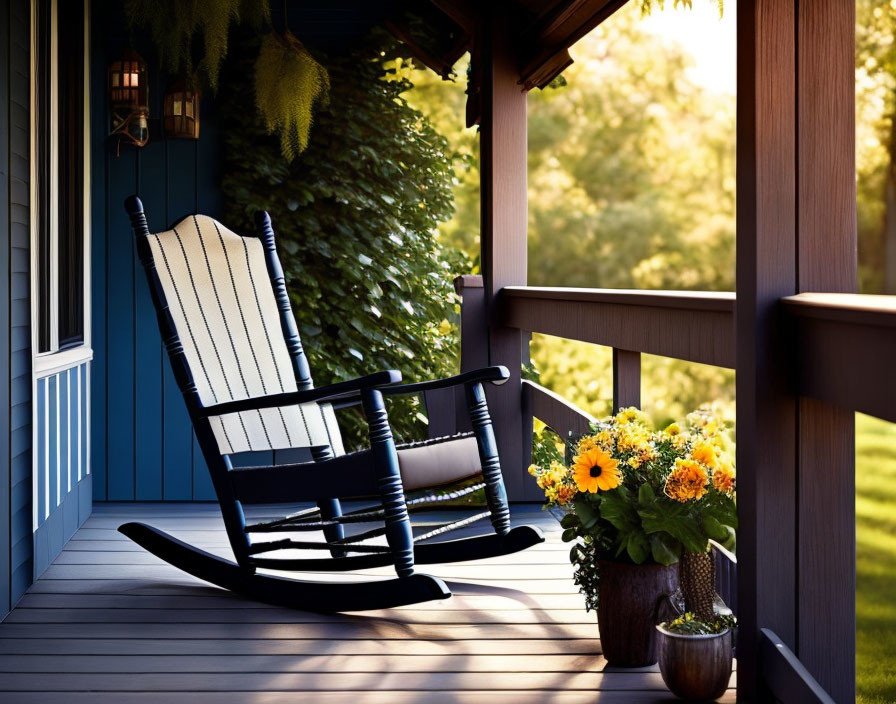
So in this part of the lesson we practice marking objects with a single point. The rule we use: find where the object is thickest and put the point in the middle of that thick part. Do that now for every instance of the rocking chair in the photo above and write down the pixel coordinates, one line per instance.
(226, 321)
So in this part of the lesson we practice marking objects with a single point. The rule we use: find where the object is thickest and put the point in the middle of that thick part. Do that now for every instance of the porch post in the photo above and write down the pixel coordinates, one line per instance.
(766, 271)
(503, 198)
(826, 246)
(796, 231)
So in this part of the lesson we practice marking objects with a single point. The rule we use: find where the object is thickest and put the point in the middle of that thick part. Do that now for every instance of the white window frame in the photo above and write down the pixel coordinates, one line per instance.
(55, 360)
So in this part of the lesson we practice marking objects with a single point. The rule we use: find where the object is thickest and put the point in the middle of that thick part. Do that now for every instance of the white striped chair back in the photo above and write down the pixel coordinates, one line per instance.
(221, 300)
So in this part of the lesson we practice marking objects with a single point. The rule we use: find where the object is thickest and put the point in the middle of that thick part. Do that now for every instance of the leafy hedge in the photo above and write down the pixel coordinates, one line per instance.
(355, 216)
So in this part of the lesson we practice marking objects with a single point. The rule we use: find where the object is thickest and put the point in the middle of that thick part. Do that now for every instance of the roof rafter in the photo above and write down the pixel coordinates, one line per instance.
(544, 45)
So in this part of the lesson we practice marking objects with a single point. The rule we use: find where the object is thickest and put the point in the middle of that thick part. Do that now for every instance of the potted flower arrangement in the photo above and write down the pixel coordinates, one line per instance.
(640, 508)
(695, 656)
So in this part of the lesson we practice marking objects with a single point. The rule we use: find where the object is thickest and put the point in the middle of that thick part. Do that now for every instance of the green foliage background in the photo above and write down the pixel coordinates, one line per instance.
(355, 216)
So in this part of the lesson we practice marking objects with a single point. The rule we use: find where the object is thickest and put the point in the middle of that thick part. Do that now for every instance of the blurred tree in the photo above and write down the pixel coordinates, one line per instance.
(631, 184)
(876, 144)
(631, 169)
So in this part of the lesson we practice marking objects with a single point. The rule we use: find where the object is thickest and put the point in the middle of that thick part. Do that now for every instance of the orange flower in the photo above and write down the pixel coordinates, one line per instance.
(723, 478)
(705, 454)
(595, 470)
(565, 494)
(686, 481)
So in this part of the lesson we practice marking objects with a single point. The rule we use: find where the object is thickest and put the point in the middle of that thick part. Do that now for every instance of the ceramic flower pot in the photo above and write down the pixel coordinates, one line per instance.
(697, 668)
(627, 610)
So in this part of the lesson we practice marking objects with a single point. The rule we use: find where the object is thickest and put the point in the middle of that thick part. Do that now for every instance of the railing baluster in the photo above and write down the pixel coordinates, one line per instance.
(626, 379)
(473, 338)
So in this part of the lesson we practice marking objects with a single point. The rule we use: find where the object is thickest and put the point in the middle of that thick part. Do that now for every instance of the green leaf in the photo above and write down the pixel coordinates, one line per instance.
(675, 519)
(722, 508)
(730, 542)
(645, 494)
(665, 549)
(616, 507)
(568, 535)
(638, 546)
(588, 513)
(570, 520)
(714, 529)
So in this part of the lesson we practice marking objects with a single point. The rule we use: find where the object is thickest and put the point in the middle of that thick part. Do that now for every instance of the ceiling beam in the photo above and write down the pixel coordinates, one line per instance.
(544, 45)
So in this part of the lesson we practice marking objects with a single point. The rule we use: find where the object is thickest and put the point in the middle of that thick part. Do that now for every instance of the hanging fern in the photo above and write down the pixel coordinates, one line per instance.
(175, 25)
(648, 5)
(289, 83)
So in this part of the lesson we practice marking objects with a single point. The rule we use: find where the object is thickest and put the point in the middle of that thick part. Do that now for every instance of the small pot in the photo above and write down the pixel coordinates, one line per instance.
(695, 667)
(627, 610)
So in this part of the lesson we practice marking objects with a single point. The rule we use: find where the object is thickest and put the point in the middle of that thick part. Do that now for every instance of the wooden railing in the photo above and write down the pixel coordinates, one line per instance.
(695, 326)
(785, 676)
(845, 349)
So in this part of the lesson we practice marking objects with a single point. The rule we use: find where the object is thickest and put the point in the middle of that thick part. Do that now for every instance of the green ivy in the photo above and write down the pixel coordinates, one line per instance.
(355, 216)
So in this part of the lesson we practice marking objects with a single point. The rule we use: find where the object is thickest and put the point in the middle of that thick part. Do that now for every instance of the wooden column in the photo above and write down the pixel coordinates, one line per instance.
(826, 237)
(766, 271)
(503, 173)
(796, 232)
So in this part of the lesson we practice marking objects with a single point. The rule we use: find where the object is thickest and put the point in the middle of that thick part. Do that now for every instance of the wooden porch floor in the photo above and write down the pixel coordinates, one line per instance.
(108, 622)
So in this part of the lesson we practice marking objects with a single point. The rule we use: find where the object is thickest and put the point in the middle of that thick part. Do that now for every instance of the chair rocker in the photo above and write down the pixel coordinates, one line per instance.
(232, 341)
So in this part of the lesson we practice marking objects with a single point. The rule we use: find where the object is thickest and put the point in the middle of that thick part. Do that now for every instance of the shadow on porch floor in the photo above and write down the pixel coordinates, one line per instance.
(109, 622)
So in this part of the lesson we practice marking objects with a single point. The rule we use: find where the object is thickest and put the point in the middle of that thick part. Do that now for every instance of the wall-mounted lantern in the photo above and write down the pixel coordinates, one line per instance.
(181, 110)
(128, 98)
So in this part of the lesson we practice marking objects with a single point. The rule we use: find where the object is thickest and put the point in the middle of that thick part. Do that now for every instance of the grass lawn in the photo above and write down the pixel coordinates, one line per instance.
(876, 560)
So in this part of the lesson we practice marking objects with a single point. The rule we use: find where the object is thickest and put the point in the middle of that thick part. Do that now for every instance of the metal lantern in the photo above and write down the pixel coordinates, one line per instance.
(128, 98)
(181, 110)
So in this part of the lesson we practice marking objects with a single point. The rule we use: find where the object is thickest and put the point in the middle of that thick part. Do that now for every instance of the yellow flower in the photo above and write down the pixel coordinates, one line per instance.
(586, 443)
(629, 415)
(533, 470)
(633, 437)
(711, 429)
(445, 327)
(723, 478)
(673, 429)
(546, 481)
(604, 439)
(679, 442)
(705, 454)
(595, 470)
(686, 481)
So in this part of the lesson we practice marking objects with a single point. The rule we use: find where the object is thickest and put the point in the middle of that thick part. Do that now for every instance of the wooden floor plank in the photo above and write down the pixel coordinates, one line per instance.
(110, 623)
(374, 628)
(383, 697)
(287, 616)
(325, 662)
(226, 600)
(190, 647)
(438, 680)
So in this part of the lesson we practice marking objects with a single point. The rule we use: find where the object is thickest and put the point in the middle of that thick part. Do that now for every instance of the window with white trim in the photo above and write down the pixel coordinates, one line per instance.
(59, 175)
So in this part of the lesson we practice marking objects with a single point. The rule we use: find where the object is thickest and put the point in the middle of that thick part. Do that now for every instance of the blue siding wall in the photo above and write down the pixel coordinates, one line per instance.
(15, 351)
(5, 547)
(142, 444)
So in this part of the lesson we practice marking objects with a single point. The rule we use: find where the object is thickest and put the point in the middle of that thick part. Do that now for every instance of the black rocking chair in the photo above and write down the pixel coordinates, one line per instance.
(226, 321)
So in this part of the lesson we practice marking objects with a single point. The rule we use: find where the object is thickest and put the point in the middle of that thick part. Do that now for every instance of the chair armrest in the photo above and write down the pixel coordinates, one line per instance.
(496, 375)
(323, 393)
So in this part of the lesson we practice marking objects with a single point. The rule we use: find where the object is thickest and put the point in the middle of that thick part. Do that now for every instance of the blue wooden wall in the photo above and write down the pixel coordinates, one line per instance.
(15, 341)
(142, 443)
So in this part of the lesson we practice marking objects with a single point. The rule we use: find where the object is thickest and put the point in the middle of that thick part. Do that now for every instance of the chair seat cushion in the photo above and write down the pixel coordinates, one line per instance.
(438, 462)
